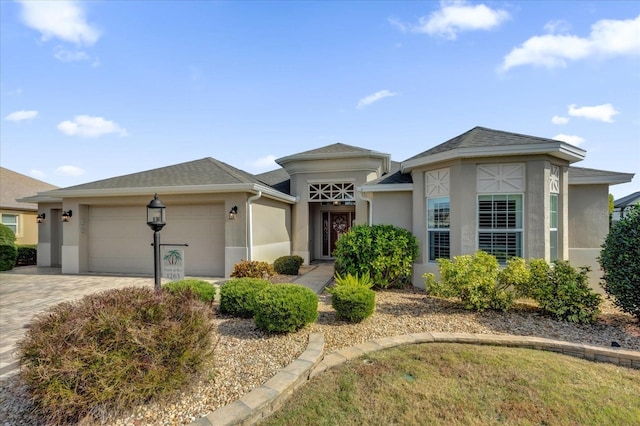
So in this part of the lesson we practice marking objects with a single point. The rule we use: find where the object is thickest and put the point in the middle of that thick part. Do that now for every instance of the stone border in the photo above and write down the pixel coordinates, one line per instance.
(264, 400)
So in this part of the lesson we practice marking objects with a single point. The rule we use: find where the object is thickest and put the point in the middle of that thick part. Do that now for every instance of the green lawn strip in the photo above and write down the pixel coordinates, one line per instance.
(466, 384)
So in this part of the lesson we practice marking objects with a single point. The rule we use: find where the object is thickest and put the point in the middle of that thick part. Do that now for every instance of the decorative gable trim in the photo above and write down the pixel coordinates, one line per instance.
(554, 180)
(500, 178)
(436, 183)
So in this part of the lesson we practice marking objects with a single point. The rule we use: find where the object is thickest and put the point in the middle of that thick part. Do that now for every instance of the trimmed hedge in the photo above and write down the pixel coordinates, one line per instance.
(27, 255)
(252, 269)
(8, 249)
(204, 290)
(237, 296)
(288, 265)
(353, 303)
(285, 308)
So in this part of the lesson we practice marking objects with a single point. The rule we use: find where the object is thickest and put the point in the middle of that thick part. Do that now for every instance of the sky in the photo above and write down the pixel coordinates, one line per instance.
(95, 89)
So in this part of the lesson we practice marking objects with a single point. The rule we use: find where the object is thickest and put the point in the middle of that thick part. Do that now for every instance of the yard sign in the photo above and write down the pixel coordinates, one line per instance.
(172, 262)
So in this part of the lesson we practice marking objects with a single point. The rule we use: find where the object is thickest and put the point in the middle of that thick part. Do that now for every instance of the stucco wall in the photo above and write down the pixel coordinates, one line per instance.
(27, 226)
(393, 208)
(271, 230)
(588, 227)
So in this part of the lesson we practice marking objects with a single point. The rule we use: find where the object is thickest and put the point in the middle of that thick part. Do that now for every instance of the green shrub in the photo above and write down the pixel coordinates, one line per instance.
(8, 249)
(285, 308)
(384, 252)
(620, 261)
(252, 269)
(288, 265)
(352, 303)
(27, 255)
(237, 296)
(474, 280)
(516, 275)
(564, 293)
(7, 235)
(353, 281)
(204, 290)
(113, 350)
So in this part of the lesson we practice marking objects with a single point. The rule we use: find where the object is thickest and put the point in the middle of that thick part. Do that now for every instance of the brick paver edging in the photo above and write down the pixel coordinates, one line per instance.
(264, 400)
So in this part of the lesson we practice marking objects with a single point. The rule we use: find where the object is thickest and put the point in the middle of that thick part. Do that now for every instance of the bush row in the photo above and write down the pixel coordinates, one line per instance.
(477, 280)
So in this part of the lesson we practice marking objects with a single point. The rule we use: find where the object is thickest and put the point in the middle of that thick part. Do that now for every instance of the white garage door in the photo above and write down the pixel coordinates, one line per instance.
(119, 239)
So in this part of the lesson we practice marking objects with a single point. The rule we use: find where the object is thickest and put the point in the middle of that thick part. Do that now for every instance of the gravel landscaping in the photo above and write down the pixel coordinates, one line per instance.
(245, 357)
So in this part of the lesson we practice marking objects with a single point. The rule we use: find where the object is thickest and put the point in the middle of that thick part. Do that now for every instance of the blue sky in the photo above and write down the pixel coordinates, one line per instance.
(91, 90)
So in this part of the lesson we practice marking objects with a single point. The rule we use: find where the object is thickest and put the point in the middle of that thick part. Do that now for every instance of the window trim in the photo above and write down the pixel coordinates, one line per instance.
(18, 231)
(553, 229)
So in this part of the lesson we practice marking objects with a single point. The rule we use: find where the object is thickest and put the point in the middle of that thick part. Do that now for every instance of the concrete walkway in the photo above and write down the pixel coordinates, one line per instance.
(27, 291)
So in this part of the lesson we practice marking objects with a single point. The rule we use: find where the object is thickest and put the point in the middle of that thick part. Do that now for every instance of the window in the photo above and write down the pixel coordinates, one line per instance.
(500, 225)
(438, 227)
(11, 221)
(553, 226)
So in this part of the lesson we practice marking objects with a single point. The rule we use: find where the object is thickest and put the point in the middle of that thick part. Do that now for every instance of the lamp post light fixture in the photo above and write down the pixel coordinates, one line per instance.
(40, 218)
(155, 220)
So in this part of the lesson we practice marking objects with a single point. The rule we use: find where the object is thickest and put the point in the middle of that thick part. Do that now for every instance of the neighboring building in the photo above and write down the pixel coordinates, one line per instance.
(623, 205)
(17, 215)
(506, 193)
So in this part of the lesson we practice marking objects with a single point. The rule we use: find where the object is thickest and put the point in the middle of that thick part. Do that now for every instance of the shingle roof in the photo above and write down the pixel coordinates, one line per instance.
(630, 199)
(278, 179)
(394, 176)
(14, 185)
(206, 171)
(336, 148)
(480, 137)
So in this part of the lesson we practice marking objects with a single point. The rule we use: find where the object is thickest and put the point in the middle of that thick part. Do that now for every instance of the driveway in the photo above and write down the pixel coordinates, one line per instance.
(26, 291)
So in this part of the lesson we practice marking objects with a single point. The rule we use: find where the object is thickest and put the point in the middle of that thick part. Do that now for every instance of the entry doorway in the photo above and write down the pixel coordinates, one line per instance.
(334, 225)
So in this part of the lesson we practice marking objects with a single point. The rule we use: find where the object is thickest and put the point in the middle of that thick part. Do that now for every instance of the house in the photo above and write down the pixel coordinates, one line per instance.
(506, 193)
(21, 217)
(622, 205)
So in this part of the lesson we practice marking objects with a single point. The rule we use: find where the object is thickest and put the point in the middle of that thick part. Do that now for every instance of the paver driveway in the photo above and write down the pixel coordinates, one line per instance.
(27, 291)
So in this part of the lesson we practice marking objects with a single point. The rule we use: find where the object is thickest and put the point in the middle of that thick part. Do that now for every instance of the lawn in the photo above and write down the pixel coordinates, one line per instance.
(465, 384)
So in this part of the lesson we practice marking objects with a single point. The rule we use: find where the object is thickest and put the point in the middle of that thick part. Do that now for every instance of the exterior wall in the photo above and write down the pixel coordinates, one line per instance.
(393, 208)
(463, 193)
(271, 230)
(27, 226)
(588, 210)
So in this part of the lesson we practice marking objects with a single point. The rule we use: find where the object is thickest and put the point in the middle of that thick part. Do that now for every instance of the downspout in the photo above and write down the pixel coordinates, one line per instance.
(370, 201)
(250, 200)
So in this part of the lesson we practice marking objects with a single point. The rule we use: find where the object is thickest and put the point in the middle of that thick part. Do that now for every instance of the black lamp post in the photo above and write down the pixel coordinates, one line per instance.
(155, 220)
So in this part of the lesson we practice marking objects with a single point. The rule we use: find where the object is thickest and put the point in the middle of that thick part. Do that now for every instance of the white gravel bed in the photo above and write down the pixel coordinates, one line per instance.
(244, 357)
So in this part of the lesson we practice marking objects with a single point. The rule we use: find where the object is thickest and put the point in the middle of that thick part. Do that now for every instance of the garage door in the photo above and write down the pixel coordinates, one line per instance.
(119, 239)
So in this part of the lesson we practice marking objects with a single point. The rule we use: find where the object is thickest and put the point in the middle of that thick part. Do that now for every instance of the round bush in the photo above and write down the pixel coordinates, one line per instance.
(285, 308)
(620, 260)
(8, 249)
(113, 350)
(204, 290)
(237, 297)
(288, 265)
(384, 252)
(353, 303)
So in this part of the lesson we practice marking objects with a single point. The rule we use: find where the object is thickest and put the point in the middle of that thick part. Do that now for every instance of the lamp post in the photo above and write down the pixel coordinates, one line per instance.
(155, 220)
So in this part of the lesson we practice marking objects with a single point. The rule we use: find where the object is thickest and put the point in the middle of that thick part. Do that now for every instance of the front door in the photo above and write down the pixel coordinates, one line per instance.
(335, 224)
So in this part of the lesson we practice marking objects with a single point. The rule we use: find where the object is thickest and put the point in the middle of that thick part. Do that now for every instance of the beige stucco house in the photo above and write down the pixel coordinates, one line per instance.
(19, 216)
(506, 193)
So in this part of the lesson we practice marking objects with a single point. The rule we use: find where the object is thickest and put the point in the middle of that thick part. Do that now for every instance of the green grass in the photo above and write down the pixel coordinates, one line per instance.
(445, 384)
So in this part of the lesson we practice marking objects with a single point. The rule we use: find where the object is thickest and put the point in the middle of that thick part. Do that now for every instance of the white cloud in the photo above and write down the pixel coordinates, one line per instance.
(38, 174)
(456, 16)
(559, 120)
(572, 139)
(368, 100)
(604, 112)
(60, 19)
(65, 55)
(266, 162)
(22, 115)
(69, 171)
(87, 126)
(607, 38)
